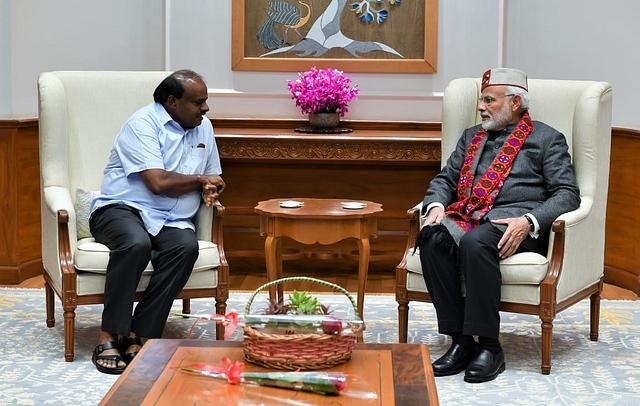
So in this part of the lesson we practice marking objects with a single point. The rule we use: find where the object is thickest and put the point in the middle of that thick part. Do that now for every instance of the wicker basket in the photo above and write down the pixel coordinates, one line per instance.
(309, 351)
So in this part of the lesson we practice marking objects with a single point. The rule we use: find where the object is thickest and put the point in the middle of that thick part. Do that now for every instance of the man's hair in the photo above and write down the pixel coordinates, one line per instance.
(524, 95)
(173, 85)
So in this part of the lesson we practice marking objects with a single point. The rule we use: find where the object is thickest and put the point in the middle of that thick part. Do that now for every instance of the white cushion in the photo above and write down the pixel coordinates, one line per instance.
(92, 256)
(527, 268)
(91, 283)
(82, 206)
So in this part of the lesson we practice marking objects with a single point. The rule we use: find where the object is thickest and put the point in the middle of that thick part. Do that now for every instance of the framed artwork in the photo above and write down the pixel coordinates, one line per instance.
(398, 36)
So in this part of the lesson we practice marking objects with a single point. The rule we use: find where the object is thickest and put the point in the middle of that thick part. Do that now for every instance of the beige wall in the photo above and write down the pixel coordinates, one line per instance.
(571, 39)
(5, 63)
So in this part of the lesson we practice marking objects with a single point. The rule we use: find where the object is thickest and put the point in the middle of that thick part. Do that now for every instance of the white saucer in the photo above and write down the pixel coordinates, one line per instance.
(291, 204)
(353, 205)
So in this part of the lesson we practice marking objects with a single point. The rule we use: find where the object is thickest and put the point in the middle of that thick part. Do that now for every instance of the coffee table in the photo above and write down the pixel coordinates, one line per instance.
(322, 221)
(400, 374)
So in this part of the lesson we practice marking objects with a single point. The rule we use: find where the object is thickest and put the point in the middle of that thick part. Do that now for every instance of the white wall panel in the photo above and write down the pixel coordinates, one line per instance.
(571, 39)
(462, 51)
(80, 35)
(5, 61)
(583, 40)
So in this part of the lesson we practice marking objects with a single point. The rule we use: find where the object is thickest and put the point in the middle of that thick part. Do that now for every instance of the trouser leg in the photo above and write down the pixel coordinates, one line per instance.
(442, 277)
(480, 264)
(121, 229)
(174, 253)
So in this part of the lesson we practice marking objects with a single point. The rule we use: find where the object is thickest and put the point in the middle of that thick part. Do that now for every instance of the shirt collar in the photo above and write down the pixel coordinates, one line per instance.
(162, 113)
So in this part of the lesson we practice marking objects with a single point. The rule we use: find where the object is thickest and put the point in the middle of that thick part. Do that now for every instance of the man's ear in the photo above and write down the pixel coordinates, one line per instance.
(172, 102)
(517, 102)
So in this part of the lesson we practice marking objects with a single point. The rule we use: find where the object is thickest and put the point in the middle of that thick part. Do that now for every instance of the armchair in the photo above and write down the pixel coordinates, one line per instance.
(80, 113)
(573, 267)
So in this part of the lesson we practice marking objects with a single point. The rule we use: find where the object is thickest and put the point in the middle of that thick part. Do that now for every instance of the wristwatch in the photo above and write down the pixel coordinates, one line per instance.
(532, 226)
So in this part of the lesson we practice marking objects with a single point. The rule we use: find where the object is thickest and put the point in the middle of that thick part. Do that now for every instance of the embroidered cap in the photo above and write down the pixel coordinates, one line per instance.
(505, 77)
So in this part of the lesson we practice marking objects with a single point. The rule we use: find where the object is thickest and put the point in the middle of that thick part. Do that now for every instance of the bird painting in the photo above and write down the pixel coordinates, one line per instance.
(285, 14)
(325, 33)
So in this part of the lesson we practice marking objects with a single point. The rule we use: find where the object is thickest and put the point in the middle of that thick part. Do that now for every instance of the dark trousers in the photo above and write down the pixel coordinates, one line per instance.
(172, 253)
(477, 261)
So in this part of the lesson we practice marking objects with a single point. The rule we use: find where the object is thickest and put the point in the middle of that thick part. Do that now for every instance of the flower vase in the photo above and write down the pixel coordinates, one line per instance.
(324, 120)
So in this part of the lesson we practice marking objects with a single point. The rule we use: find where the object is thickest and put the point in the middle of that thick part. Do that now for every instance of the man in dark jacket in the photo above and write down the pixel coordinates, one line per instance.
(508, 179)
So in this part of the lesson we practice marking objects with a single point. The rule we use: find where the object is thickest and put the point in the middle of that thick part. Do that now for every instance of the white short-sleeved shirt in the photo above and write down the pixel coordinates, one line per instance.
(151, 139)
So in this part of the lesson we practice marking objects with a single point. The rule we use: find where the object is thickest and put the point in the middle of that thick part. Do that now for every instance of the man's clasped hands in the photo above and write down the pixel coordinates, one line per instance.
(212, 187)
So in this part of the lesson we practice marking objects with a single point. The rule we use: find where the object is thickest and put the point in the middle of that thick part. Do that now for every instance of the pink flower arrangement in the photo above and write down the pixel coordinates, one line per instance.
(322, 91)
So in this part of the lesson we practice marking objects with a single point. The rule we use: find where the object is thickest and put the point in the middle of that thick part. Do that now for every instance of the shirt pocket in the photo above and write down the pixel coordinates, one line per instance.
(196, 162)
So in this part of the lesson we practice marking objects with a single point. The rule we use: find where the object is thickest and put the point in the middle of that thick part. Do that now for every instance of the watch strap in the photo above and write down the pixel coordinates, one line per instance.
(532, 226)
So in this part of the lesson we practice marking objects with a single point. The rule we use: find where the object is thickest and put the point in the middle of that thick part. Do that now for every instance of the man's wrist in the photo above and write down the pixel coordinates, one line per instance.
(532, 226)
(429, 207)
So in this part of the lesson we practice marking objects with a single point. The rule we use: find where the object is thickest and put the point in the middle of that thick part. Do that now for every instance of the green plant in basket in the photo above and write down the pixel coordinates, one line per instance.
(298, 303)
(303, 303)
(300, 311)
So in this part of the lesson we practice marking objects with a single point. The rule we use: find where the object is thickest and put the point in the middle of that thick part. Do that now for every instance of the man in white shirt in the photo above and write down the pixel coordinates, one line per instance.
(163, 161)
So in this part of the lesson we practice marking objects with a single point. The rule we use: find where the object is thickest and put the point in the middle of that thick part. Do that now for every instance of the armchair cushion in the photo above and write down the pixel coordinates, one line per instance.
(527, 268)
(92, 256)
(82, 206)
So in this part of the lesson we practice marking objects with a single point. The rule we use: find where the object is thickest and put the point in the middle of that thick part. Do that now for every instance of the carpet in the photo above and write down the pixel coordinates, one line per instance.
(606, 372)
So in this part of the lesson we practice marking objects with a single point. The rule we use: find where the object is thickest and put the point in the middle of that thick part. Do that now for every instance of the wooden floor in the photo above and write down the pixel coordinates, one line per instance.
(377, 283)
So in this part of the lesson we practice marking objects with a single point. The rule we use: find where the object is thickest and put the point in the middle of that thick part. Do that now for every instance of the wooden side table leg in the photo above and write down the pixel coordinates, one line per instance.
(363, 272)
(273, 260)
(280, 287)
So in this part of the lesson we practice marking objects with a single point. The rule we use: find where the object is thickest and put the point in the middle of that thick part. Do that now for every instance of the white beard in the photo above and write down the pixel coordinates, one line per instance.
(498, 120)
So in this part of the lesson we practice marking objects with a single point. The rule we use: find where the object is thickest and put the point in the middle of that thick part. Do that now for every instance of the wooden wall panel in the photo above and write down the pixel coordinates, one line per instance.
(622, 252)
(20, 256)
(390, 163)
(8, 193)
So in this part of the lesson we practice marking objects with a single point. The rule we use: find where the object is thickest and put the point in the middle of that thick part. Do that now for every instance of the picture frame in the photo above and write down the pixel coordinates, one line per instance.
(323, 33)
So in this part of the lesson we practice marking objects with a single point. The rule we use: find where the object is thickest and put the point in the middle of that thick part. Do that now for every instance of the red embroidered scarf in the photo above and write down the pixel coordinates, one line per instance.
(474, 202)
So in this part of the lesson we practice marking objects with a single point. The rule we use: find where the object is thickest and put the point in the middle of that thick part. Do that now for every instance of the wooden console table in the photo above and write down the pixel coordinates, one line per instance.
(389, 163)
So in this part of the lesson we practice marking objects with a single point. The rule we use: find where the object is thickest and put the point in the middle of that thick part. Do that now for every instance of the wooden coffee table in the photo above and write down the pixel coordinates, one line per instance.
(400, 374)
(322, 221)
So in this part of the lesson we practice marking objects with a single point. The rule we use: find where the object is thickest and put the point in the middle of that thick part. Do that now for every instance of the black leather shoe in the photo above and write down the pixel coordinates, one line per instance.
(486, 366)
(453, 361)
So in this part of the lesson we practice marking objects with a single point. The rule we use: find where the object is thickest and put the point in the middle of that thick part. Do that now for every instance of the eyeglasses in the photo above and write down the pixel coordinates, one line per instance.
(488, 100)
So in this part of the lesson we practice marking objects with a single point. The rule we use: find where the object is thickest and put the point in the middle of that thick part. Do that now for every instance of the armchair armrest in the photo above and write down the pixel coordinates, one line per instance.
(59, 220)
(58, 198)
(576, 216)
(208, 220)
(574, 234)
(203, 221)
(208, 223)
(413, 215)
